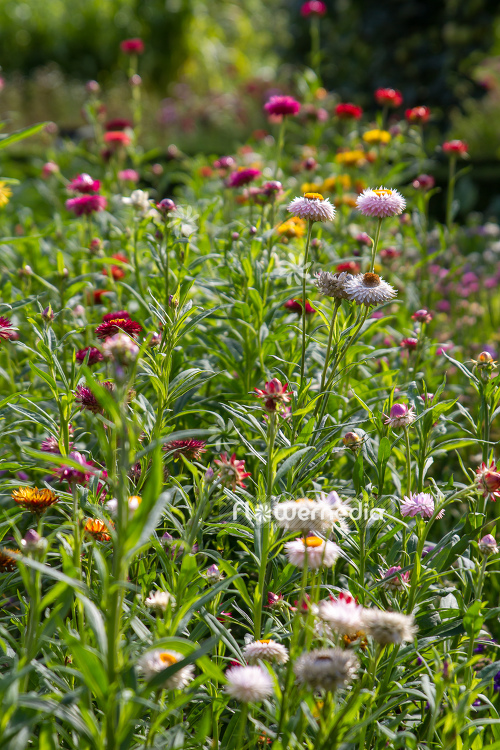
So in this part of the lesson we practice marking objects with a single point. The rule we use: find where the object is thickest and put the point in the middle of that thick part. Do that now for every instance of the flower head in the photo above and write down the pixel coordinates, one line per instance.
(275, 395)
(418, 115)
(120, 347)
(132, 46)
(154, 662)
(312, 207)
(71, 474)
(326, 668)
(166, 206)
(5, 194)
(7, 562)
(85, 205)
(388, 627)
(409, 343)
(488, 480)
(128, 175)
(304, 514)
(88, 401)
(455, 147)
(94, 355)
(231, 471)
(266, 650)
(419, 504)
(348, 111)
(400, 415)
(133, 503)
(343, 614)
(84, 183)
(318, 552)
(97, 529)
(242, 177)
(333, 284)
(396, 582)
(35, 500)
(116, 138)
(294, 305)
(282, 105)
(213, 574)
(381, 203)
(352, 441)
(376, 136)
(139, 201)
(424, 182)
(192, 449)
(388, 97)
(422, 316)
(248, 684)
(111, 327)
(369, 289)
(159, 600)
(293, 227)
(488, 545)
(7, 332)
(33, 542)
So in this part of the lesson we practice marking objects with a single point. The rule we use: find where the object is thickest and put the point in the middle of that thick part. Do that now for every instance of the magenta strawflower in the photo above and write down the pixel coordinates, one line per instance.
(409, 343)
(418, 115)
(132, 46)
(122, 314)
(295, 305)
(85, 205)
(455, 147)
(397, 581)
(88, 401)
(84, 183)
(381, 203)
(422, 316)
(94, 355)
(231, 471)
(282, 105)
(242, 177)
(7, 332)
(313, 8)
(71, 474)
(400, 416)
(128, 175)
(488, 545)
(111, 327)
(348, 111)
(192, 449)
(488, 481)
(424, 182)
(275, 395)
(420, 504)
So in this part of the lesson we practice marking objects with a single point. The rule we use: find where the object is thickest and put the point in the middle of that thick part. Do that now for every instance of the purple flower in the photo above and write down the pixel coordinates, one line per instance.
(420, 504)
(85, 205)
(282, 105)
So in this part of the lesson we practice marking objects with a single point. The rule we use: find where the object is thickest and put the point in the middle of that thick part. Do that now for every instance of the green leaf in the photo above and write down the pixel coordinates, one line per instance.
(20, 135)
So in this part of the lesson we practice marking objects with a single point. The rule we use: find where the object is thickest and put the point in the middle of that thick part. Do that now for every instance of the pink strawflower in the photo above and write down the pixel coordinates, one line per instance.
(192, 449)
(128, 175)
(294, 305)
(117, 138)
(282, 105)
(488, 545)
(313, 8)
(312, 206)
(49, 168)
(424, 182)
(132, 46)
(420, 504)
(388, 253)
(123, 314)
(119, 123)
(422, 316)
(409, 343)
(84, 183)
(418, 114)
(71, 474)
(6, 330)
(348, 111)
(242, 177)
(85, 205)
(275, 395)
(400, 416)
(88, 401)
(455, 147)
(95, 355)
(488, 480)
(381, 203)
(388, 97)
(397, 581)
(231, 471)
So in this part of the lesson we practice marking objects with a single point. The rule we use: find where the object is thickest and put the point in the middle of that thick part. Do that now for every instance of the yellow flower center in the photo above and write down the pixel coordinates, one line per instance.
(302, 500)
(167, 658)
(383, 192)
(314, 197)
(135, 499)
(313, 541)
(264, 640)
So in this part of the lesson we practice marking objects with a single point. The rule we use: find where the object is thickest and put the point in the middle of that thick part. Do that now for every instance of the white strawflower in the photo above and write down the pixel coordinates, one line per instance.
(326, 668)
(312, 207)
(340, 509)
(380, 203)
(333, 284)
(159, 600)
(369, 289)
(139, 200)
(344, 615)
(267, 650)
(154, 662)
(320, 553)
(304, 514)
(388, 627)
(248, 684)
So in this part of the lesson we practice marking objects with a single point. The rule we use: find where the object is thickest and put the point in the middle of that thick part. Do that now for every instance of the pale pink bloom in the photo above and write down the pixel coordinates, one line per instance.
(249, 684)
(381, 203)
(313, 208)
(419, 504)
(400, 416)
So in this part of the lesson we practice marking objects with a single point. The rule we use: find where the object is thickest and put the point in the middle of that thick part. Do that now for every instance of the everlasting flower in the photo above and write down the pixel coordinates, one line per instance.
(33, 542)
(85, 205)
(419, 504)
(409, 343)
(312, 207)
(419, 115)
(400, 416)
(88, 401)
(488, 545)
(275, 395)
(111, 327)
(388, 627)
(344, 615)
(293, 227)
(116, 138)
(424, 182)
(242, 177)
(94, 355)
(266, 650)
(132, 46)
(133, 503)
(5, 194)
(369, 289)
(376, 136)
(248, 684)
(388, 97)
(455, 147)
(313, 8)
(7, 332)
(355, 158)
(304, 514)
(396, 582)
(139, 200)
(154, 662)
(319, 553)
(333, 284)
(380, 203)
(128, 175)
(488, 480)
(192, 449)
(422, 316)
(282, 105)
(120, 348)
(71, 474)
(295, 306)
(35, 500)
(7, 562)
(348, 111)
(213, 574)
(48, 169)
(231, 471)
(84, 183)
(326, 668)
(166, 206)
(97, 529)
(159, 600)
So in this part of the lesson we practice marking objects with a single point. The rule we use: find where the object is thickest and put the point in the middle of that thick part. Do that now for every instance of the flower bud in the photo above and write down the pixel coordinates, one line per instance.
(213, 574)
(33, 542)
(351, 440)
(487, 545)
(48, 314)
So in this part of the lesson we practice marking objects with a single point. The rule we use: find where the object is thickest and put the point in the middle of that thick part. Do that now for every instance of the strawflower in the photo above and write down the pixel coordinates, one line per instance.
(97, 529)
(313, 207)
(266, 650)
(388, 97)
(248, 684)
(304, 514)
(348, 111)
(86, 205)
(231, 471)
(400, 416)
(326, 668)
(154, 662)
(318, 552)
(418, 115)
(111, 327)
(488, 481)
(191, 449)
(282, 105)
(275, 395)
(242, 177)
(35, 500)
(133, 46)
(313, 8)
(368, 289)
(455, 147)
(381, 203)
(419, 504)
(84, 183)
(376, 136)
(295, 306)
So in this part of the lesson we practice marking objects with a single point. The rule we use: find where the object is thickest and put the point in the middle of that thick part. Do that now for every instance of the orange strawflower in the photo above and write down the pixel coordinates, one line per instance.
(34, 500)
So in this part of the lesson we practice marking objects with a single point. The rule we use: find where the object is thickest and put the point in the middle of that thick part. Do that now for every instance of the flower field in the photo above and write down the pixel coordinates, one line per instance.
(249, 429)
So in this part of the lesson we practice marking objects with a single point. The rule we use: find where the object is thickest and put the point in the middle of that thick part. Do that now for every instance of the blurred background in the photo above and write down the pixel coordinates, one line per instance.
(209, 65)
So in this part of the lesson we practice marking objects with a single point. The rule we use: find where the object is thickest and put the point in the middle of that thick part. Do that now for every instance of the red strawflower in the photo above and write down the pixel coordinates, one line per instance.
(84, 183)
(313, 8)
(418, 114)
(350, 266)
(282, 105)
(114, 315)
(275, 395)
(6, 330)
(455, 147)
(192, 449)
(110, 327)
(98, 294)
(132, 46)
(95, 355)
(295, 306)
(231, 471)
(117, 272)
(119, 123)
(242, 177)
(85, 205)
(388, 97)
(488, 480)
(348, 111)
(409, 343)
(117, 138)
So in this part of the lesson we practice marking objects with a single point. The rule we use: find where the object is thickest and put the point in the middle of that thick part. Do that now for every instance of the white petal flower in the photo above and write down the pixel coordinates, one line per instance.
(154, 662)
(333, 284)
(267, 650)
(369, 289)
(381, 203)
(304, 514)
(248, 684)
(312, 206)
(320, 553)
(388, 627)
(344, 614)
(159, 600)
(326, 668)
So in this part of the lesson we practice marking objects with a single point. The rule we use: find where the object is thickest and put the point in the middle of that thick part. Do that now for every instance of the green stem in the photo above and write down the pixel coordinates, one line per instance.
(304, 316)
(264, 552)
(136, 263)
(242, 726)
(408, 462)
(375, 245)
(328, 348)
(279, 149)
(451, 190)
